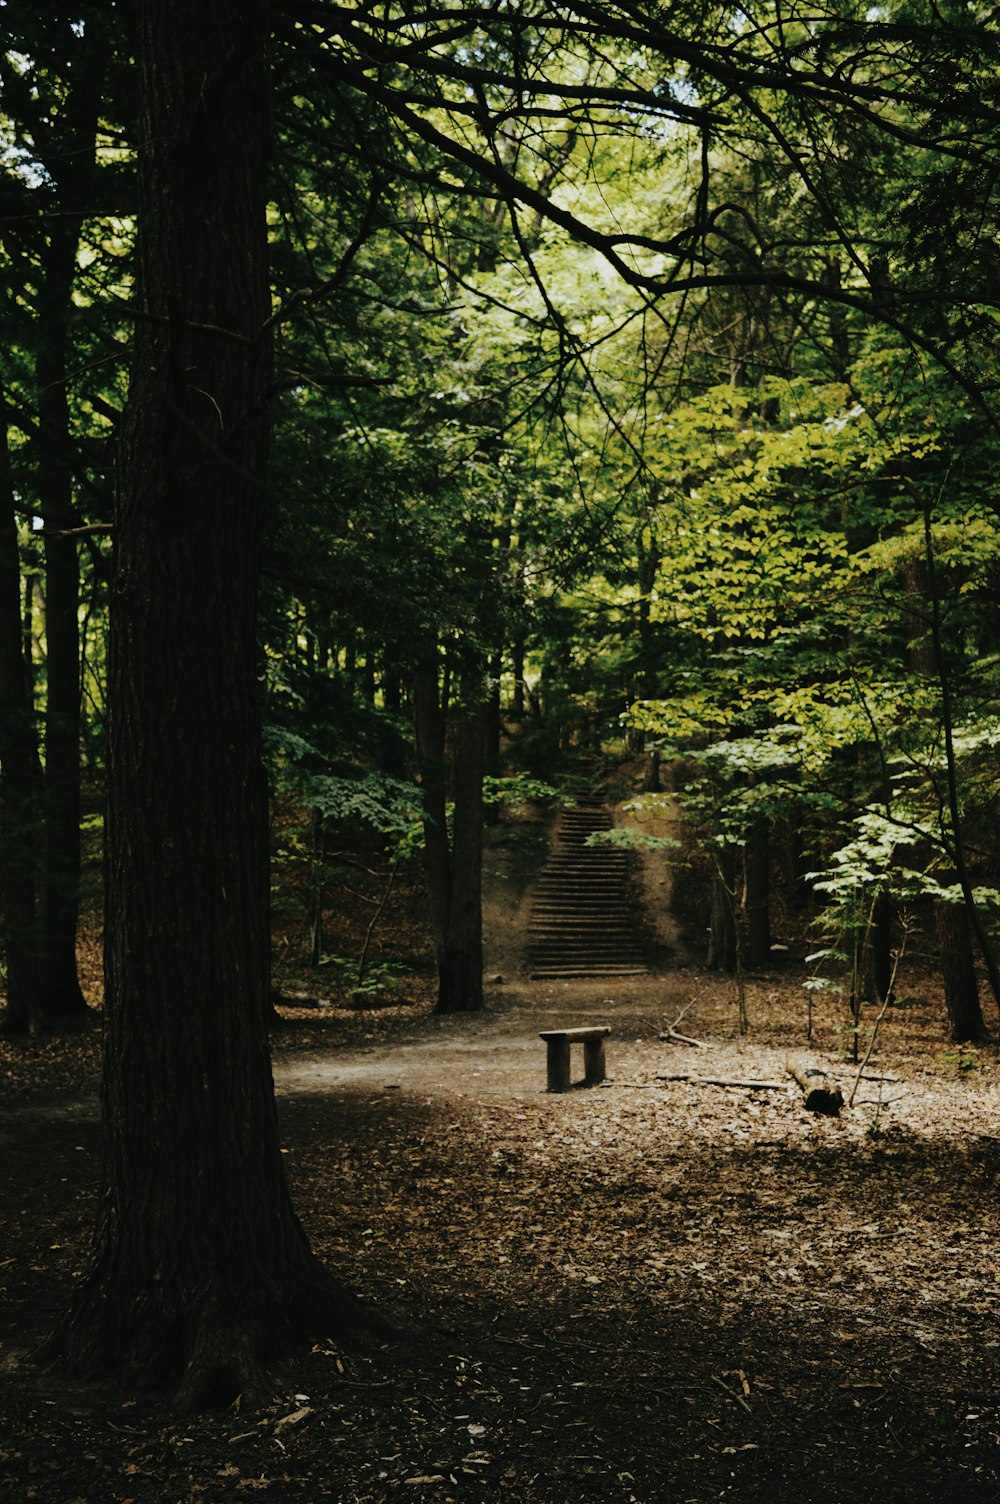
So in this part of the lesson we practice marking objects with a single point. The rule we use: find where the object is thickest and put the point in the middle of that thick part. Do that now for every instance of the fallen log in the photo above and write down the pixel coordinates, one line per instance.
(820, 1091)
(724, 1081)
(295, 999)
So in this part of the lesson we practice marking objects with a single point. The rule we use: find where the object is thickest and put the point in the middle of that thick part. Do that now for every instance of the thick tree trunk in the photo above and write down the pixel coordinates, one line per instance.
(199, 1261)
(20, 780)
(958, 971)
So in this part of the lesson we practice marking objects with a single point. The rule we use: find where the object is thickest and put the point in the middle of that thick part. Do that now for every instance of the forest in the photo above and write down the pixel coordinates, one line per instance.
(499, 534)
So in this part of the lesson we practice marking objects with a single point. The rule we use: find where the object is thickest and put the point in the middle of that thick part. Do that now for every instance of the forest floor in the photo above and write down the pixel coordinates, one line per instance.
(654, 1290)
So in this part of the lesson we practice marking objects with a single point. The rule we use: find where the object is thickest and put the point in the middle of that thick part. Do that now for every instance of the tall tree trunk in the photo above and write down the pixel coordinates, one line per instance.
(494, 716)
(958, 851)
(492, 734)
(392, 689)
(28, 633)
(958, 970)
(757, 892)
(392, 743)
(722, 939)
(199, 1261)
(517, 651)
(460, 983)
(368, 675)
(428, 722)
(20, 779)
(644, 686)
(454, 870)
(61, 872)
(879, 968)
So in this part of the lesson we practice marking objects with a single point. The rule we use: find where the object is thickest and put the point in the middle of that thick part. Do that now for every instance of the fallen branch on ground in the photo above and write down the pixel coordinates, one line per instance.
(671, 1035)
(672, 1027)
(725, 1081)
(737, 1399)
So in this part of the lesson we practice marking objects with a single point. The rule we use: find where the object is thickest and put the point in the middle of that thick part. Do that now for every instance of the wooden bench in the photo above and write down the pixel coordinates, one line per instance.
(558, 1042)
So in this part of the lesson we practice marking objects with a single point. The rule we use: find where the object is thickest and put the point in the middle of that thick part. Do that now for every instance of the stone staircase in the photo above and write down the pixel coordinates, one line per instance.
(582, 924)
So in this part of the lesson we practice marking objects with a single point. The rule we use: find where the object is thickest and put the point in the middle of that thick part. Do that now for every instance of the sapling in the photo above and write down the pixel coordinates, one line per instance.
(890, 990)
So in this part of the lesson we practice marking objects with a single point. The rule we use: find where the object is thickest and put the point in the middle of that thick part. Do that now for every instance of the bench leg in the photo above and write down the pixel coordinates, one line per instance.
(594, 1063)
(557, 1064)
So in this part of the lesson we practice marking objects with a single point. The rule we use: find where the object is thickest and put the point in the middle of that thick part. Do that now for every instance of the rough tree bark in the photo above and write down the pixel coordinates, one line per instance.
(199, 1261)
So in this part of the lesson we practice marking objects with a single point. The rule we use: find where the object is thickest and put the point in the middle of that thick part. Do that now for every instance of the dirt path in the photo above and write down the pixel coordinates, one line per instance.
(651, 1291)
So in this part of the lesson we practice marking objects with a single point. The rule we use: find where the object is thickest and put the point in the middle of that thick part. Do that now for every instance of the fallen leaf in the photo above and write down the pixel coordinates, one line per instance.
(295, 1418)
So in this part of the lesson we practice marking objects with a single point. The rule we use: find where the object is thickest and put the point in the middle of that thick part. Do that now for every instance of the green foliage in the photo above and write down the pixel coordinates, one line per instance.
(388, 806)
(628, 838)
(516, 790)
(380, 979)
(963, 1061)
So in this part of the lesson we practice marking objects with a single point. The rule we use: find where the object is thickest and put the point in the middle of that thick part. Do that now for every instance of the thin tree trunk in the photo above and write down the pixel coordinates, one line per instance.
(28, 634)
(517, 650)
(428, 724)
(368, 675)
(493, 733)
(392, 690)
(61, 872)
(722, 931)
(454, 870)
(880, 964)
(757, 870)
(494, 716)
(460, 983)
(391, 742)
(20, 780)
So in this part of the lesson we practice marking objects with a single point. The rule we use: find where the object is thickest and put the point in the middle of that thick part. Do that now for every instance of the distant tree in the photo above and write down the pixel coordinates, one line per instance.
(55, 73)
(20, 777)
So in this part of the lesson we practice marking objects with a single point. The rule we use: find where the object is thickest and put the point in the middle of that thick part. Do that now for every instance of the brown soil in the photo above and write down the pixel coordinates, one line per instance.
(655, 1290)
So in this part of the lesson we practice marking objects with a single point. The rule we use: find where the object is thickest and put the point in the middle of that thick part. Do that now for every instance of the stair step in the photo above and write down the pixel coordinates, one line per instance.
(565, 973)
(581, 921)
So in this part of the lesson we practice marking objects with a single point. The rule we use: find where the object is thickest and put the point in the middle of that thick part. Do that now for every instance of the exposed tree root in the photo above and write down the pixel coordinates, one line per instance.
(219, 1346)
